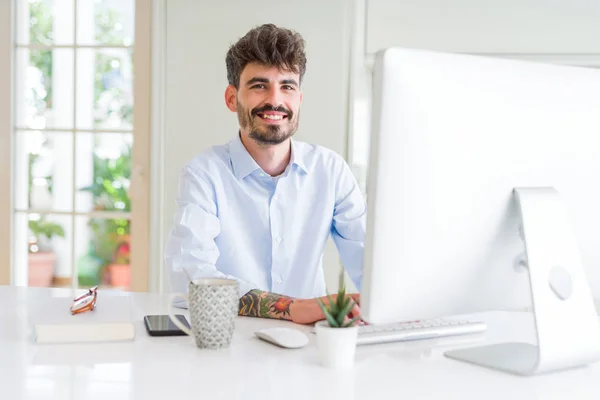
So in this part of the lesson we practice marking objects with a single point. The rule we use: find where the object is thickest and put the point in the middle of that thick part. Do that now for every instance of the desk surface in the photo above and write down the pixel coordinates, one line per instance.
(173, 368)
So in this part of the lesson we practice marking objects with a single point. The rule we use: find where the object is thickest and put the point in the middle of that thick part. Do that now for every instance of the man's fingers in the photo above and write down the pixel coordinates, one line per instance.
(355, 312)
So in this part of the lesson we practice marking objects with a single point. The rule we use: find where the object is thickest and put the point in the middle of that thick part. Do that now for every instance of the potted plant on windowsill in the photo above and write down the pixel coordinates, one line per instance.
(119, 271)
(41, 255)
(336, 335)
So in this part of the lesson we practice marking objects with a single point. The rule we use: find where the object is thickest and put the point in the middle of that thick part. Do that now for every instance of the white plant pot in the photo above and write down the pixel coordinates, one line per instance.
(337, 346)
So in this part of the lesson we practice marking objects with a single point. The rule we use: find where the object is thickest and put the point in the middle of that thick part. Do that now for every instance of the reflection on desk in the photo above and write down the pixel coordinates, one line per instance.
(172, 367)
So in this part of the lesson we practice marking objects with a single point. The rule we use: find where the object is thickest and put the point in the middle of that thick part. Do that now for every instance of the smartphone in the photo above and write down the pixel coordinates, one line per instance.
(161, 325)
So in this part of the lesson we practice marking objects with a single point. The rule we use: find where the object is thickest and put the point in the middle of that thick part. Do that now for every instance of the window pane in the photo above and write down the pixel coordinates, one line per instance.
(103, 171)
(103, 252)
(44, 89)
(44, 22)
(44, 170)
(105, 22)
(104, 89)
(48, 252)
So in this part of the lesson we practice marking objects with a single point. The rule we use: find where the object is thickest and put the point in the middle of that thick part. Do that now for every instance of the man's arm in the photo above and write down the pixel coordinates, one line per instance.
(348, 228)
(257, 303)
(191, 243)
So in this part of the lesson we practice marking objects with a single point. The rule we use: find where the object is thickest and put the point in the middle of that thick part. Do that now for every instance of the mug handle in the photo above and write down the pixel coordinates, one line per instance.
(172, 317)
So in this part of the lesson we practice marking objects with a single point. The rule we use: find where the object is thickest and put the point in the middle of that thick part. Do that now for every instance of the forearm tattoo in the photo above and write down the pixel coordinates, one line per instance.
(257, 303)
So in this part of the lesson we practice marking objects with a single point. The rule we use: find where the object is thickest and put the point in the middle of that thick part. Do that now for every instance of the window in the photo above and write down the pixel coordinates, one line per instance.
(75, 131)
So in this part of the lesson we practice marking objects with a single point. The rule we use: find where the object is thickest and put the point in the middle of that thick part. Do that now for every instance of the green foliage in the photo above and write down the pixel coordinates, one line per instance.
(40, 22)
(109, 30)
(111, 179)
(47, 229)
(42, 60)
(49, 178)
(119, 104)
(109, 27)
(44, 231)
(42, 228)
(40, 32)
(336, 311)
(109, 191)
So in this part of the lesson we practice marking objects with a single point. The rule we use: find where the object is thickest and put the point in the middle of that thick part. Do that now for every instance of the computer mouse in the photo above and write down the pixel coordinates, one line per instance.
(288, 338)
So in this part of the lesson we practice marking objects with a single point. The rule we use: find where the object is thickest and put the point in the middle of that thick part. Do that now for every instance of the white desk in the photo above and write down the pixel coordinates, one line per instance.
(173, 368)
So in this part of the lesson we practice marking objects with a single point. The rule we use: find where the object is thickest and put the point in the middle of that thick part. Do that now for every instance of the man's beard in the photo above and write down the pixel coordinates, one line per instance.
(267, 134)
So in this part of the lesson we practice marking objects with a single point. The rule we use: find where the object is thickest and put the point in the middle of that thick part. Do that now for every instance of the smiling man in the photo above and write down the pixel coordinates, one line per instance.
(260, 208)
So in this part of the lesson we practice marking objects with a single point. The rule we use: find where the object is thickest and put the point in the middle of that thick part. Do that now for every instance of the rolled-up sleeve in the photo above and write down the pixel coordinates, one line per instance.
(349, 224)
(191, 244)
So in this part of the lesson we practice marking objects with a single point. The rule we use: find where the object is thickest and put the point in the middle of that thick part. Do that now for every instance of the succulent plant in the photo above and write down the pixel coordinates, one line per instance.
(336, 311)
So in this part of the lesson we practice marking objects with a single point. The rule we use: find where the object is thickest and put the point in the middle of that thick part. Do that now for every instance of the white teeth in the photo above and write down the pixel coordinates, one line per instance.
(267, 116)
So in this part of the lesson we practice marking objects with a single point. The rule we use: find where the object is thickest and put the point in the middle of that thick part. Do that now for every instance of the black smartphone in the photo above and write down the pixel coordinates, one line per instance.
(161, 325)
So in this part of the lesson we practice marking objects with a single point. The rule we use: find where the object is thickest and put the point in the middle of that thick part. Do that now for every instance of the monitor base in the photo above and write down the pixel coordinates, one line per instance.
(567, 328)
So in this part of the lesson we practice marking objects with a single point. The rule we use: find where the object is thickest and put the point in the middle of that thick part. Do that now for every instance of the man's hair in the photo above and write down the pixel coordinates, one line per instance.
(270, 46)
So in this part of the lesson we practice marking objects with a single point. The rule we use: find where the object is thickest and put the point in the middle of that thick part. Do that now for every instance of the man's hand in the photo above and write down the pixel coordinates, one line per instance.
(257, 303)
(307, 311)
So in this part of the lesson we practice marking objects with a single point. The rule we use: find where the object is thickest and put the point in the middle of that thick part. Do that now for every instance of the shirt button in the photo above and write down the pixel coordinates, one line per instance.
(279, 281)
(279, 239)
(275, 197)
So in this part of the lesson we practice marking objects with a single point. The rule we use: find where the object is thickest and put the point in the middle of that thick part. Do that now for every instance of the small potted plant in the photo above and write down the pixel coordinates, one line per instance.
(41, 256)
(119, 271)
(336, 335)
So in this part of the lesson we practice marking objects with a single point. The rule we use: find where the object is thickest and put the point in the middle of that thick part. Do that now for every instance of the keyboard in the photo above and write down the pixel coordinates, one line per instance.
(415, 330)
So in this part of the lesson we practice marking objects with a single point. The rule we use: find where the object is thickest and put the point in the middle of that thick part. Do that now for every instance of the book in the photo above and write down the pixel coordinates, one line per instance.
(110, 321)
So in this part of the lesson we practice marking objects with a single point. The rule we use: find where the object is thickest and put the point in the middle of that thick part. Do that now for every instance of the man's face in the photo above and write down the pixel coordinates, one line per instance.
(267, 103)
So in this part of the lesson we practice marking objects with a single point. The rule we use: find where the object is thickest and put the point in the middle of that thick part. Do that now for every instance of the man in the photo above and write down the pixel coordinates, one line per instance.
(260, 208)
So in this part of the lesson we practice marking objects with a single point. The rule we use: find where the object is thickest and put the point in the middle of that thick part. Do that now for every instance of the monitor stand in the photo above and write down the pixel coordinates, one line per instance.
(567, 327)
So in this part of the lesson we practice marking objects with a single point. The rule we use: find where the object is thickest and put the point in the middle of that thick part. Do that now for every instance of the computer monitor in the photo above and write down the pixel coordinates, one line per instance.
(452, 137)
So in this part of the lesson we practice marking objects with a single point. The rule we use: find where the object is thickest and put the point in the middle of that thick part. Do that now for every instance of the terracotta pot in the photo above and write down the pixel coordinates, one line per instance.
(119, 275)
(41, 268)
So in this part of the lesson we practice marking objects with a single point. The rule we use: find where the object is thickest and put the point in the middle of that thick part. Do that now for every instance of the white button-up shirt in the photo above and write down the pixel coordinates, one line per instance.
(233, 220)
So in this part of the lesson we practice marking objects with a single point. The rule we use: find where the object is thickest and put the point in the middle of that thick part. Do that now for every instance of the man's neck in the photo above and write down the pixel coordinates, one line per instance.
(273, 159)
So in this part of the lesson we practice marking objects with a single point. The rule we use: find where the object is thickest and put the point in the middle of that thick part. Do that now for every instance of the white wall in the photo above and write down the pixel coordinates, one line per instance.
(486, 26)
(198, 35)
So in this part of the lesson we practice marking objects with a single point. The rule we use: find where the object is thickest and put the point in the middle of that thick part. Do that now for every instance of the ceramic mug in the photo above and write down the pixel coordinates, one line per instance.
(213, 305)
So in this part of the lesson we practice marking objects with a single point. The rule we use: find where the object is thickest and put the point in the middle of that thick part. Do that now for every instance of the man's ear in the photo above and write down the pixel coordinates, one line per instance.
(231, 98)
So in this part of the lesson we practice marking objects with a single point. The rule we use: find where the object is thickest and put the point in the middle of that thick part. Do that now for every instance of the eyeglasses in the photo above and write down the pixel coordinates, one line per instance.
(85, 302)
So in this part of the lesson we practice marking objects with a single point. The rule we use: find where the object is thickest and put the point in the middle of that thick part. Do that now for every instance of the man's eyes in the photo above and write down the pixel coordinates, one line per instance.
(263, 86)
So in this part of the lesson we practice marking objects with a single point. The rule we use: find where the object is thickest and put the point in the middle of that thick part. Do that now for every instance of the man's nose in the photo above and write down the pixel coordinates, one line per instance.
(274, 97)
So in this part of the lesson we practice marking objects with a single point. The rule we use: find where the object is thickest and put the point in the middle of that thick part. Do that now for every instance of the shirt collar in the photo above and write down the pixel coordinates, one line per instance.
(298, 156)
(243, 164)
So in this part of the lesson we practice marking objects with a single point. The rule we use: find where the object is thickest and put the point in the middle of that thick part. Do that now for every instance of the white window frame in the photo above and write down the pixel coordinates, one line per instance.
(140, 187)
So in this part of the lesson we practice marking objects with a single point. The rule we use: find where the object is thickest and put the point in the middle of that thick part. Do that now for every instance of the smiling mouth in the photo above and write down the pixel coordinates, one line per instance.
(271, 116)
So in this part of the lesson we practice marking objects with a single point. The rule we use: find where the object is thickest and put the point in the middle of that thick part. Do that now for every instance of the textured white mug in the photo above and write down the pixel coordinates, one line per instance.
(213, 305)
